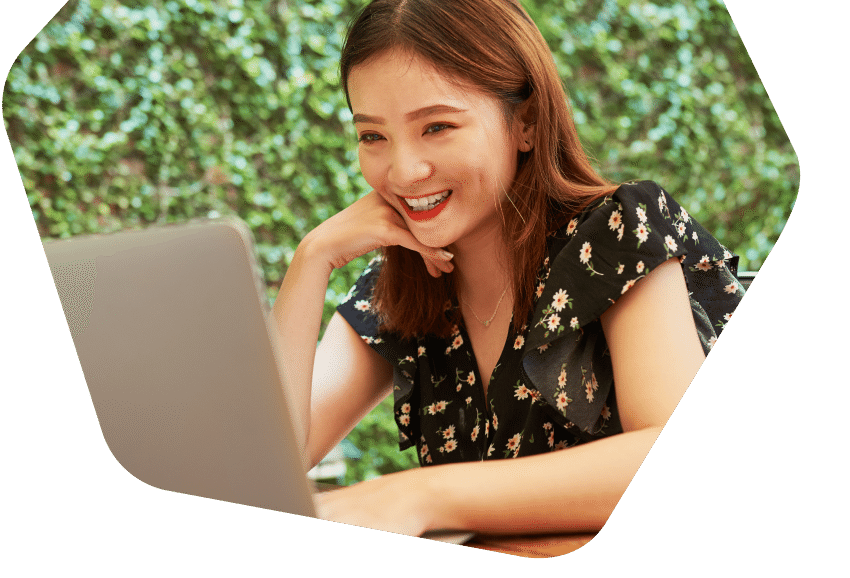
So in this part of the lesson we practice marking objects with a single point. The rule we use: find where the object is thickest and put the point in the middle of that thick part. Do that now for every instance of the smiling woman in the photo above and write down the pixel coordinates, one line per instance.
(522, 304)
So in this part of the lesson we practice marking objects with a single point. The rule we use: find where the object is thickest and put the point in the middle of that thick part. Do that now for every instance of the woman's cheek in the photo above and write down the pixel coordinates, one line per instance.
(368, 168)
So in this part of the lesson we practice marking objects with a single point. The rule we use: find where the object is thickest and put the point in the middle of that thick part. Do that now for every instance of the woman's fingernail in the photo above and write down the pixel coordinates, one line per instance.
(446, 255)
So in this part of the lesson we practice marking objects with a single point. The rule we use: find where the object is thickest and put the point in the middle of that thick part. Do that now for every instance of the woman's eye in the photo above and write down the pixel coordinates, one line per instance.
(369, 137)
(435, 128)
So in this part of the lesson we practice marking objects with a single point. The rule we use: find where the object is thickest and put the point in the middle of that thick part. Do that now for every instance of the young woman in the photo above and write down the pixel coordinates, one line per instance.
(536, 325)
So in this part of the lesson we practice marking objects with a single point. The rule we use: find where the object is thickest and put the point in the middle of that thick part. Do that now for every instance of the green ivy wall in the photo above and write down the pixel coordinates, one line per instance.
(127, 114)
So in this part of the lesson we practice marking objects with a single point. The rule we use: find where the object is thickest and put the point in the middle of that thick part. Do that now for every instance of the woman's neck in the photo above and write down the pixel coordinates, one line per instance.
(482, 270)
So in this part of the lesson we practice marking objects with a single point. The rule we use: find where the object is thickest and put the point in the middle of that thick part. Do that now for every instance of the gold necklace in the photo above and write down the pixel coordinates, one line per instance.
(486, 323)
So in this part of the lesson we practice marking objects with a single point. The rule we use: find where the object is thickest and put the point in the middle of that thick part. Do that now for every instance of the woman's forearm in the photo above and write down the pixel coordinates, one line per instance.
(297, 314)
(567, 490)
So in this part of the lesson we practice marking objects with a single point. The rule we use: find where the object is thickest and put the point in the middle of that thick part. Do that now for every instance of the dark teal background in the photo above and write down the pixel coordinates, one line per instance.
(748, 477)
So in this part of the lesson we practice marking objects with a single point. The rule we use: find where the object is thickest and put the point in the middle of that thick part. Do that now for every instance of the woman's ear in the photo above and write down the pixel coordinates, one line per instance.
(526, 122)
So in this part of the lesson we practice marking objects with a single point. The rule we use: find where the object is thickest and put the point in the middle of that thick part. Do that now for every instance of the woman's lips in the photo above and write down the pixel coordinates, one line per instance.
(430, 213)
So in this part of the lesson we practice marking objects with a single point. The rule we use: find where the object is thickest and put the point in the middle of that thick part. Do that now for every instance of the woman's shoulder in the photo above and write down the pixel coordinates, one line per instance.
(616, 241)
(633, 202)
(639, 218)
(356, 306)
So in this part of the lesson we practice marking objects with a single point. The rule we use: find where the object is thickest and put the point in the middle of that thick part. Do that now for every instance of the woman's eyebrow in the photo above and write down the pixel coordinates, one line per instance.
(413, 115)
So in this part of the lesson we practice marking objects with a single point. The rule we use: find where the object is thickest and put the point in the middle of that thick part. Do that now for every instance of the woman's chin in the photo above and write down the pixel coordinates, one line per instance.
(436, 238)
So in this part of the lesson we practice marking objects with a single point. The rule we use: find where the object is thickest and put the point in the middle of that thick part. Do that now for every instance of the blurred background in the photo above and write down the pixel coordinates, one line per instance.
(127, 114)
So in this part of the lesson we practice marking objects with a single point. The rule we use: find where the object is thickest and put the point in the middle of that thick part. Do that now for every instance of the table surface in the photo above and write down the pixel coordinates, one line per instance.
(538, 546)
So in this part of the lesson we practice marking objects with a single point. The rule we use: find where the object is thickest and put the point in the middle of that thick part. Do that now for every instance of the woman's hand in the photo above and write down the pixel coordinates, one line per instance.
(367, 224)
(394, 503)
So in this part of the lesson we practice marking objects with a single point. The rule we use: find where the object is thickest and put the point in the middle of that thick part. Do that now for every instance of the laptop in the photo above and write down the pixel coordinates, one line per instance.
(171, 329)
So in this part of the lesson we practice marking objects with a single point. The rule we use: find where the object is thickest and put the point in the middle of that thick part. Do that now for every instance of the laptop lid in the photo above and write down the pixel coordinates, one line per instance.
(170, 327)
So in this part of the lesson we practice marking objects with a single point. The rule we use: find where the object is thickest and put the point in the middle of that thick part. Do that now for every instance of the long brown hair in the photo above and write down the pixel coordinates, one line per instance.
(494, 46)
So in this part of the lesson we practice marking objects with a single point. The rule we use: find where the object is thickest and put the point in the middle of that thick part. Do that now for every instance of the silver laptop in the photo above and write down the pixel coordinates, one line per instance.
(170, 326)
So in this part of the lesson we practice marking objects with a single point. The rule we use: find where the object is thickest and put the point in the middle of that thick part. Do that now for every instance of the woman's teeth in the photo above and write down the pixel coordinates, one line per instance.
(427, 203)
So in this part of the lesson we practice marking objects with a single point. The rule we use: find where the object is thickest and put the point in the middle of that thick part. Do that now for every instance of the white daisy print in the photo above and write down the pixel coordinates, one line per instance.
(539, 290)
(694, 236)
(711, 341)
(490, 450)
(450, 446)
(684, 215)
(731, 288)
(554, 322)
(562, 445)
(574, 323)
(606, 413)
(562, 378)
(474, 435)
(584, 254)
(513, 443)
(551, 440)
(727, 317)
(642, 233)
(627, 286)
(639, 267)
(559, 301)
(519, 342)
(521, 392)
(458, 341)
(621, 268)
(405, 408)
(561, 400)
(671, 243)
(362, 305)
(572, 226)
(468, 400)
(420, 351)
(543, 348)
(470, 379)
(620, 232)
(449, 432)
(641, 214)
(680, 228)
(704, 263)
(615, 220)
(404, 419)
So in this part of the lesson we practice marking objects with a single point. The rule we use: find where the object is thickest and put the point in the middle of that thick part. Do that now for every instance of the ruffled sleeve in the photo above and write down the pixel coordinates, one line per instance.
(594, 260)
(356, 309)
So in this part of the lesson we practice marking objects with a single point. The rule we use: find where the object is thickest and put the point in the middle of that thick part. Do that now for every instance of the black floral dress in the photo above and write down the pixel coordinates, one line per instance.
(553, 386)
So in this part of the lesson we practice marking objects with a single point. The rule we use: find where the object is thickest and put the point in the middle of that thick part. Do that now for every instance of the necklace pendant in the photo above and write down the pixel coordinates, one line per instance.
(487, 323)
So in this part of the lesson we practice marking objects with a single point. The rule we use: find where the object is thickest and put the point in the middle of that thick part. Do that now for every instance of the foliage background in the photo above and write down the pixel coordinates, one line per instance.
(125, 114)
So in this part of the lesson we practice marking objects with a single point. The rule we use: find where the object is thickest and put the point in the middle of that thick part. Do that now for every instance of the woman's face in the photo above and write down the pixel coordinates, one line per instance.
(426, 141)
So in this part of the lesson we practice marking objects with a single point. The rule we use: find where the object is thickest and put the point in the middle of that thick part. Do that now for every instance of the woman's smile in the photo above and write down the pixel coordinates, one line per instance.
(427, 207)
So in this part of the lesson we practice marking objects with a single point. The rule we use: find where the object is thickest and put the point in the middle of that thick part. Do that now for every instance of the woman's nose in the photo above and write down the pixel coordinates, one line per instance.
(408, 167)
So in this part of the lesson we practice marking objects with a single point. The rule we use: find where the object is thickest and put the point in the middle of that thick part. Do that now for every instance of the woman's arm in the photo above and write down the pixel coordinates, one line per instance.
(655, 353)
(351, 378)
